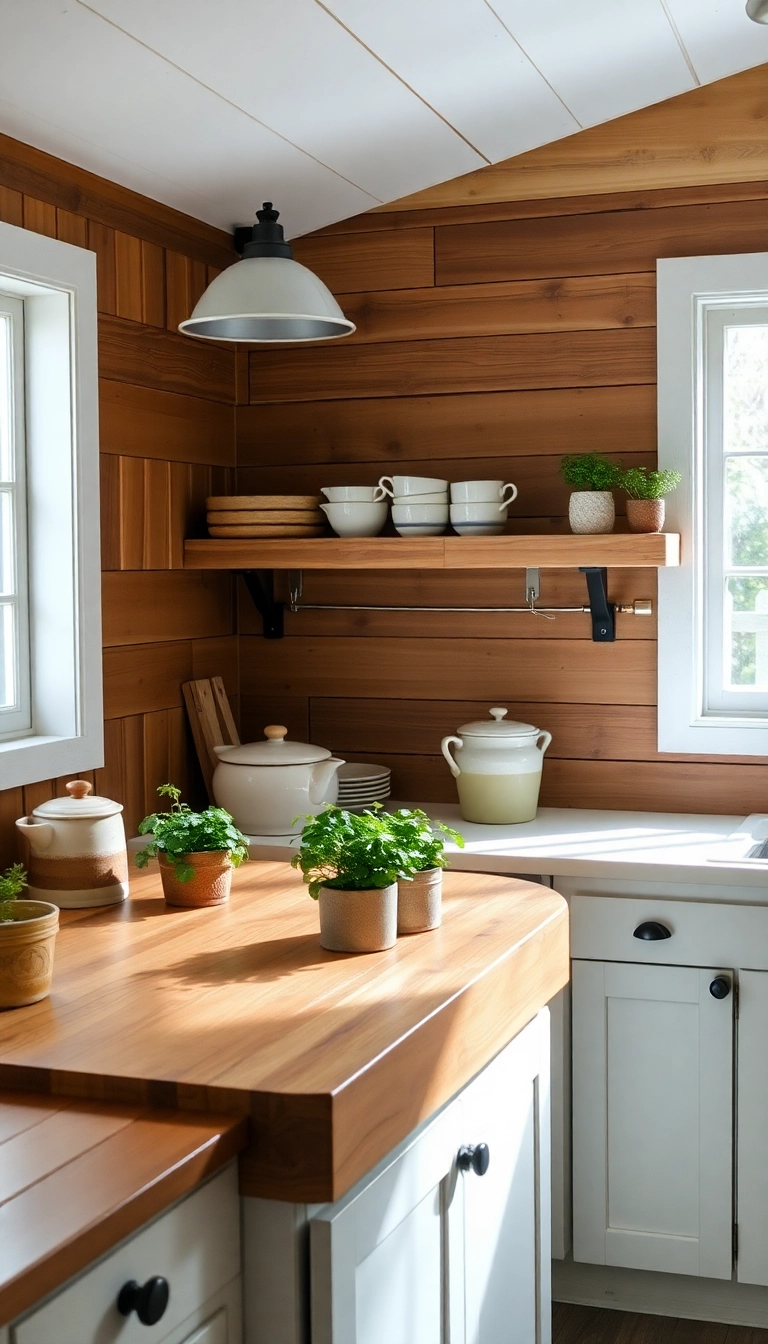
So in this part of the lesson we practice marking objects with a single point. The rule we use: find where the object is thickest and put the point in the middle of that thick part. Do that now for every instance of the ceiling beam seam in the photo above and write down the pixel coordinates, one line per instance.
(679, 39)
(531, 61)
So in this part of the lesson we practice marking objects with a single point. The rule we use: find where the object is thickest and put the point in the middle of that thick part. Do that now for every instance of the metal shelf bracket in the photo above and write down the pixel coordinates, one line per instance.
(602, 611)
(261, 587)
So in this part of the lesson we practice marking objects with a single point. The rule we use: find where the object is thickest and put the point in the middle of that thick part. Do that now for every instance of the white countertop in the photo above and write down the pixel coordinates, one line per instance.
(631, 846)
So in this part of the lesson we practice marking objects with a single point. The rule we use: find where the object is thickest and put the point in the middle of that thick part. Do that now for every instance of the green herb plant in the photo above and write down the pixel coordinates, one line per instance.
(182, 832)
(350, 851)
(422, 839)
(591, 471)
(12, 883)
(640, 483)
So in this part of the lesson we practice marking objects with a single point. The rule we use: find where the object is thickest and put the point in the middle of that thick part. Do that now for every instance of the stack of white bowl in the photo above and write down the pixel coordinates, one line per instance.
(479, 508)
(419, 504)
(361, 785)
(355, 510)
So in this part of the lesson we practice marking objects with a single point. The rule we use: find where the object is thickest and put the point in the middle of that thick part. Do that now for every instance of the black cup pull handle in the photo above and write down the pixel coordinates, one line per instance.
(474, 1157)
(651, 931)
(720, 987)
(149, 1300)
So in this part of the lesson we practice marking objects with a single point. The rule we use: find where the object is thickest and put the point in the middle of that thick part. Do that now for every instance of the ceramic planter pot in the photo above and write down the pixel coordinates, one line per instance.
(26, 953)
(645, 515)
(419, 902)
(591, 511)
(358, 921)
(210, 885)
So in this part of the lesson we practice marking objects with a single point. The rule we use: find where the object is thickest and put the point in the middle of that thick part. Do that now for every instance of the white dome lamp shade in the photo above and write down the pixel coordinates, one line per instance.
(267, 296)
(758, 10)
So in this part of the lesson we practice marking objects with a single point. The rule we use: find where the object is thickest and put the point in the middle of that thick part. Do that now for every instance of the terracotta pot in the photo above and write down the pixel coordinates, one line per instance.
(645, 515)
(26, 953)
(210, 885)
(419, 902)
(358, 921)
(591, 511)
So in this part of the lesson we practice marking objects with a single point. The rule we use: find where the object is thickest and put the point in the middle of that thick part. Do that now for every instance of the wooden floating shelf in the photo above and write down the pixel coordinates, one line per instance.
(623, 550)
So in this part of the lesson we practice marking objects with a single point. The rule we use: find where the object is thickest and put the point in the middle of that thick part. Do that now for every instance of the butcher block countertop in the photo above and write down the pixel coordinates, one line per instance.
(76, 1177)
(335, 1058)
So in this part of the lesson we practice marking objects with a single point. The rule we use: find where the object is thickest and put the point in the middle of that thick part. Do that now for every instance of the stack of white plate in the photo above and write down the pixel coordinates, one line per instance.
(361, 784)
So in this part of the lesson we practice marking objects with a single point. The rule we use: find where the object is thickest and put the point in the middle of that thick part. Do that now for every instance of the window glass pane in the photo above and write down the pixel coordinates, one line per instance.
(746, 631)
(7, 657)
(746, 511)
(745, 391)
(7, 583)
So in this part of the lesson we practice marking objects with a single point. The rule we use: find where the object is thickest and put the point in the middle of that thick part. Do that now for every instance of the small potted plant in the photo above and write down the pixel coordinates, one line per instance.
(351, 863)
(647, 491)
(592, 478)
(196, 851)
(419, 896)
(27, 936)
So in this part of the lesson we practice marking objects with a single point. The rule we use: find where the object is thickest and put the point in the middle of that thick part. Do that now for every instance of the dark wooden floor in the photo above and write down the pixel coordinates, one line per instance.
(598, 1325)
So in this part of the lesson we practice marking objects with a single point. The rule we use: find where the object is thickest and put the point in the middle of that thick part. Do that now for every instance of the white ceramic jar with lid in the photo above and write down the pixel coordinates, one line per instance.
(267, 785)
(497, 765)
(77, 854)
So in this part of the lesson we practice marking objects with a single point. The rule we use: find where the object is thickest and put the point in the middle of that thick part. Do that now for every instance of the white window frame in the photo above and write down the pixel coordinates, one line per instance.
(17, 718)
(57, 284)
(690, 288)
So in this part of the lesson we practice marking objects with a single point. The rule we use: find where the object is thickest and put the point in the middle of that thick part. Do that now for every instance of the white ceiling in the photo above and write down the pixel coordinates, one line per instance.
(328, 107)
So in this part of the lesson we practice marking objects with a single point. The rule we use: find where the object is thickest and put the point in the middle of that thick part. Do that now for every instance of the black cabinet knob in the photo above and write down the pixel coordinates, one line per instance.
(474, 1157)
(720, 987)
(149, 1300)
(651, 931)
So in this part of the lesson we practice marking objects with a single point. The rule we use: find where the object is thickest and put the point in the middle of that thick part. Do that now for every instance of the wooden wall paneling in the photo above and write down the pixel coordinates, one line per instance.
(37, 793)
(473, 425)
(654, 787)
(152, 284)
(580, 303)
(11, 206)
(128, 277)
(132, 512)
(368, 261)
(11, 807)
(110, 779)
(145, 678)
(133, 352)
(133, 765)
(217, 657)
(178, 289)
(155, 606)
(149, 422)
(39, 216)
(157, 759)
(465, 364)
(492, 669)
(574, 245)
(101, 240)
(256, 711)
(157, 515)
(109, 501)
(71, 228)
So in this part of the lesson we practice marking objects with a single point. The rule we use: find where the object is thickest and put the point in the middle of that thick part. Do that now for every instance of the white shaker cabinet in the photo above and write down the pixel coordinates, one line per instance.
(653, 1117)
(450, 1240)
(752, 1148)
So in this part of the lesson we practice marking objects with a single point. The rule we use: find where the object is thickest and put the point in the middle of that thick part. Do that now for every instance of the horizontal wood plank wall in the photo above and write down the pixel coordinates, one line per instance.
(526, 331)
(167, 440)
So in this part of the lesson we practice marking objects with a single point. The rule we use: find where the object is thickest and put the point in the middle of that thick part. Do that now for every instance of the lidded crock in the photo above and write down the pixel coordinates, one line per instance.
(497, 766)
(270, 786)
(77, 855)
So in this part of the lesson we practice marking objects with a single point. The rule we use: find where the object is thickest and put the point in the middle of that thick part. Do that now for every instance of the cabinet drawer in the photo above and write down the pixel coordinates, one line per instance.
(702, 933)
(195, 1246)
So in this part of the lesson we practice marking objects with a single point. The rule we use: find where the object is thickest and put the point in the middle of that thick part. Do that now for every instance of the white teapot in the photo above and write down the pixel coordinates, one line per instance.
(267, 785)
(497, 768)
(77, 852)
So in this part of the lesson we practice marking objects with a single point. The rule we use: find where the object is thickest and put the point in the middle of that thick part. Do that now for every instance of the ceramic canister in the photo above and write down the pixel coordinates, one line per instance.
(77, 855)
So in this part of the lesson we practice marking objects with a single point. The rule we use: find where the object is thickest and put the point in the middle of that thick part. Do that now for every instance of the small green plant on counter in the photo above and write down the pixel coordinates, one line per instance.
(640, 483)
(181, 832)
(422, 839)
(12, 883)
(591, 471)
(350, 851)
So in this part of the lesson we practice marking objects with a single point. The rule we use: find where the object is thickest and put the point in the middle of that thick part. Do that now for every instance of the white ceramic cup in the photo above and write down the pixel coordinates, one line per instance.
(350, 494)
(436, 497)
(356, 520)
(465, 492)
(411, 485)
(478, 512)
(419, 513)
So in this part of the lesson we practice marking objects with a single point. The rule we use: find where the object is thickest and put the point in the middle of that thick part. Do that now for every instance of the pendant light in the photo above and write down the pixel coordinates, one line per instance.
(267, 296)
(758, 10)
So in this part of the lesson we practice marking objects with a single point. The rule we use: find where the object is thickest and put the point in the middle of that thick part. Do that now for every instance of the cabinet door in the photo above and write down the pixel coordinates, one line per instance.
(652, 1118)
(213, 1332)
(507, 1211)
(752, 1138)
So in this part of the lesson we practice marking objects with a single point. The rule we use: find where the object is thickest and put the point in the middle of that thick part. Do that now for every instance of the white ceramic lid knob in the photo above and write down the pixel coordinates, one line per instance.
(78, 788)
(275, 732)
(498, 714)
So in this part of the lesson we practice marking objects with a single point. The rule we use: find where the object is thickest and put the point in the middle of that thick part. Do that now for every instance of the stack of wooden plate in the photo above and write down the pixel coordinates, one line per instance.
(265, 516)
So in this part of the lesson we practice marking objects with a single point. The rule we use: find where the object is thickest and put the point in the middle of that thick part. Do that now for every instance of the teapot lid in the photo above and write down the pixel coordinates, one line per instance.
(78, 804)
(501, 727)
(275, 751)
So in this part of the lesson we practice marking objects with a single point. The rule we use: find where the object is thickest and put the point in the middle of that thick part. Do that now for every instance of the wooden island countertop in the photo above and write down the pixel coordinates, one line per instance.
(237, 1009)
